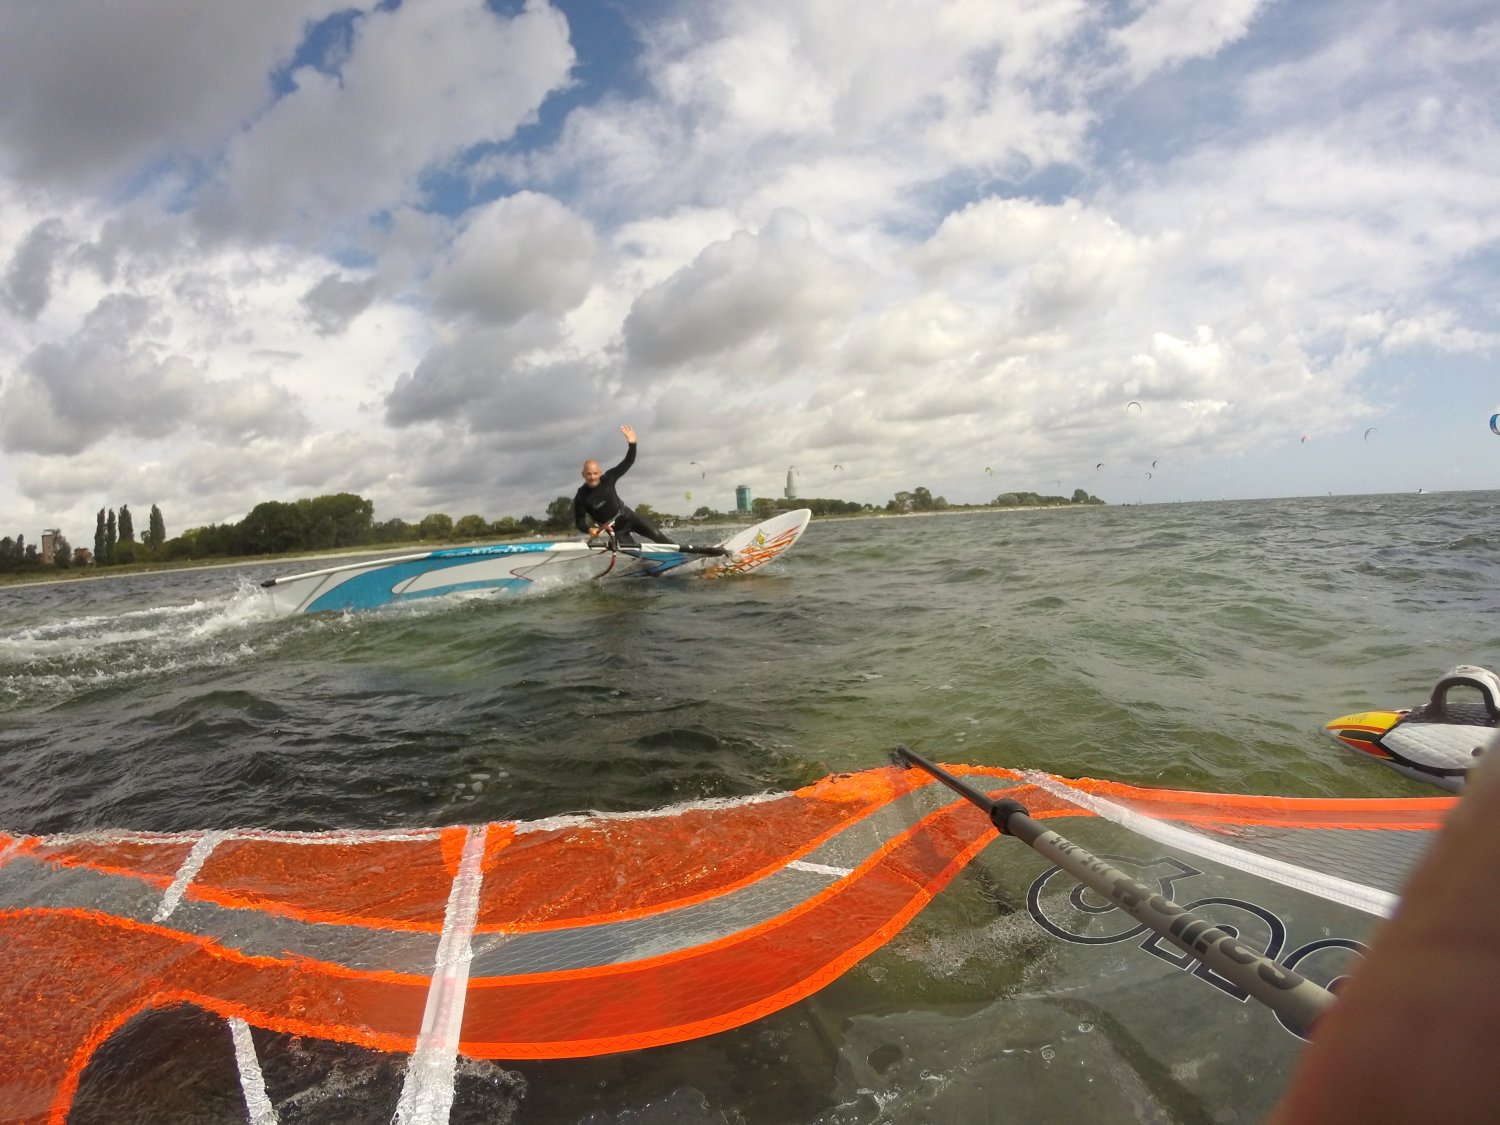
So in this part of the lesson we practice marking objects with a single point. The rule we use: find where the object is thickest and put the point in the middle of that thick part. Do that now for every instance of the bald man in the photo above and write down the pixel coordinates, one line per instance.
(597, 507)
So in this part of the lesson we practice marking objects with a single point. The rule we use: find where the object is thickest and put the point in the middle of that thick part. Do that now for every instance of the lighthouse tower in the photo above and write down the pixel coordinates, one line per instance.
(791, 483)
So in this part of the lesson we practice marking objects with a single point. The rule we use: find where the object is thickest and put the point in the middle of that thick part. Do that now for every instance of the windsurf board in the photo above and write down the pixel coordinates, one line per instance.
(521, 567)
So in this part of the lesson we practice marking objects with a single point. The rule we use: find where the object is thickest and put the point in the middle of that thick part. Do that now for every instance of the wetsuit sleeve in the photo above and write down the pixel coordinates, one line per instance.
(580, 517)
(623, 467)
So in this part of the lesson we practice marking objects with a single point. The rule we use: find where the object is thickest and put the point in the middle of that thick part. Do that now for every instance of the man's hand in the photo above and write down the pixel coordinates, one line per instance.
(629, 434)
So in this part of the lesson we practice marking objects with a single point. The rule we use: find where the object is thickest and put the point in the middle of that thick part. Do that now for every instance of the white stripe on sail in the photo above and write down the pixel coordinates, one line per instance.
(252, 1082)
(188, 871)
(821, 868)
(1371, 900)
(427, 1094)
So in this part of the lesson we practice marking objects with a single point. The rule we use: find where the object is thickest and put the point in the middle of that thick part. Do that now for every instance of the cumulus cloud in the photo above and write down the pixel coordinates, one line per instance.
(28, 279)
(777, 289)
(247, 407)
(109, 376)
(1050, 264)
(1440, 331)
(997, 234)
(916, 335)
(450, 377)
(336, 300)
(947, 76)
(518, 255)
(500, 382)
(425, 252)
(1166, 32)
(117, 375)
(822, 109)
(342, 462)
(57, 481)
(92, 91)
(453, 73)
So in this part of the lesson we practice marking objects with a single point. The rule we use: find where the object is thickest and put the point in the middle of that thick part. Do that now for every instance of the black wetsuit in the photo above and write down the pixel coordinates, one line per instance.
(600, 504)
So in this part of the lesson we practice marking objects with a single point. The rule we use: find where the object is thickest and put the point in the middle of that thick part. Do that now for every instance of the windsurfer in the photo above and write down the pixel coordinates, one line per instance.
(597, 508)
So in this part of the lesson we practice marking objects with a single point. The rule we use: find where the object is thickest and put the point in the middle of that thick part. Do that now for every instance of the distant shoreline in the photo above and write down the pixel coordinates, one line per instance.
(95, 574)
(964, 512)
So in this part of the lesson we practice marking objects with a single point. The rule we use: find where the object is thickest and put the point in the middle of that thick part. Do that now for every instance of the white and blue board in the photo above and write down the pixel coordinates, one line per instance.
(522, 567)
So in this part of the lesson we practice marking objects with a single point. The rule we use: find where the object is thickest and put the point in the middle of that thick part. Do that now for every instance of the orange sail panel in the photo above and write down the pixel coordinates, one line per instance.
(565, 938)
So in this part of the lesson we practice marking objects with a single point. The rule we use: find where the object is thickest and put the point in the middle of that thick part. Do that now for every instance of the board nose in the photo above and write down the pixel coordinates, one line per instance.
(1362, 730)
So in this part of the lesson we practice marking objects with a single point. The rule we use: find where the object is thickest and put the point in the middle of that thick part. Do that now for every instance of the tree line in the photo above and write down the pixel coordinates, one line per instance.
(1035, 500)
(921, 499)
(345, 520)
(114, 543)
(114, 538)
(17, 554)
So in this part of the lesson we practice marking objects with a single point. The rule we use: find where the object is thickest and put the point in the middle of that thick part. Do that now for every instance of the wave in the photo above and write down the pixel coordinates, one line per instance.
(54, 659)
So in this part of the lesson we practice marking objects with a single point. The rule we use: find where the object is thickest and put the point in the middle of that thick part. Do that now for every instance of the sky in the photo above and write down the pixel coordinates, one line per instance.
(436, 253)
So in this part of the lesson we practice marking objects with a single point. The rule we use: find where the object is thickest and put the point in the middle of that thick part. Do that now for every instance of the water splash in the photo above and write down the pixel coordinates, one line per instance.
(51, 660)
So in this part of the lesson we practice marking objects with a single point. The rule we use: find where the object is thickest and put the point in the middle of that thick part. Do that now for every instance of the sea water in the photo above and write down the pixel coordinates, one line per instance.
(1190, 645)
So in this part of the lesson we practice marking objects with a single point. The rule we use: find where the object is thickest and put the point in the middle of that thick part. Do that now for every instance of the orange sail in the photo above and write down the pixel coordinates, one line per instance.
(555, 939)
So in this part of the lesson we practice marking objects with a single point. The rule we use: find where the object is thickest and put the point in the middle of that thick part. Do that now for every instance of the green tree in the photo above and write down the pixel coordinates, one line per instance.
(921, 499)
(338, 520)
(271, 527)
(471, 527)
(99, 538)
(320, 534)
(820, 506)
(179, 548)
(1080, 496)
(215, 539)
(762, 507)
(110, 538)
(560, 514)
(156, 529)
(62, 552)
(436, 526)
(17, 554)
(393, 531)
(127, 525)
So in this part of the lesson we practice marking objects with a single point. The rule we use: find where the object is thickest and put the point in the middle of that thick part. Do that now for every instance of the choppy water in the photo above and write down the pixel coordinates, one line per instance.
(1193, 645)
